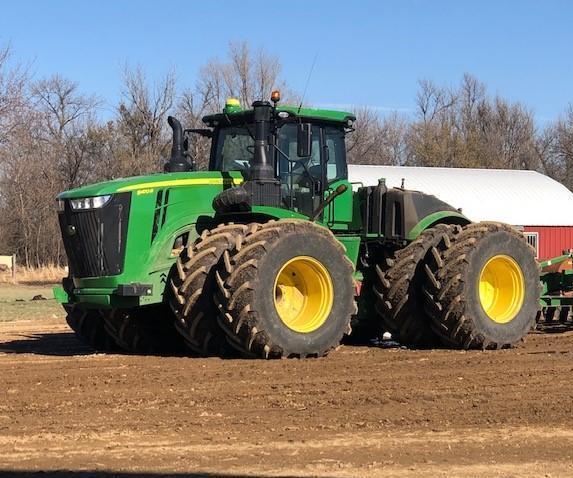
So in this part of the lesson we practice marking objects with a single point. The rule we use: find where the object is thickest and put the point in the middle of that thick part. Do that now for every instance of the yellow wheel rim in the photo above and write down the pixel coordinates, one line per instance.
(501, 288)
(303, 294)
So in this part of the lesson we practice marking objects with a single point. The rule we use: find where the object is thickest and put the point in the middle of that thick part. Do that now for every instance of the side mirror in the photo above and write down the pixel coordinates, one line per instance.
(304, 140)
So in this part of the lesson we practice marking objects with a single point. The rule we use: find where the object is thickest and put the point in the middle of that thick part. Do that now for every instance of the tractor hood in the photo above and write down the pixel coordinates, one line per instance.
(153, 181)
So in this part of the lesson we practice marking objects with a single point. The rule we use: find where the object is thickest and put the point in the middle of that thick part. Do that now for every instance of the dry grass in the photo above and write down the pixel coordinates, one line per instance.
(17, 303)
(35, 276)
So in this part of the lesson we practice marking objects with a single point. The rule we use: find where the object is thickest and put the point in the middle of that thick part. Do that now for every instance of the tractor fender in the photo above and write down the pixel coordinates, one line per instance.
(419, 211)
(435, 218)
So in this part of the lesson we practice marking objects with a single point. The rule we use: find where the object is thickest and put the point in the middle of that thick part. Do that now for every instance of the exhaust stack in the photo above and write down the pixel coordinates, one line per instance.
(177, 162)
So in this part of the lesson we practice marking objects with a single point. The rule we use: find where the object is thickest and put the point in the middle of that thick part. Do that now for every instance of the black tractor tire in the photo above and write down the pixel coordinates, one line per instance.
(398, 289)
(366, 325)
(451, 287)
(147, 330)
(88, 325)
(248, 293)
(193, 285)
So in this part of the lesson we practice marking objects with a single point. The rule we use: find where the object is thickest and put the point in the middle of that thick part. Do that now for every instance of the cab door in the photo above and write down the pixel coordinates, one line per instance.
(338, 214)
(301, 178)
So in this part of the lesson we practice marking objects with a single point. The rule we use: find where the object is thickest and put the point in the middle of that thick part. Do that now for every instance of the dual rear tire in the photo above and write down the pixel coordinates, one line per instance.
(193, 285)
(482, 288)
(471, 287)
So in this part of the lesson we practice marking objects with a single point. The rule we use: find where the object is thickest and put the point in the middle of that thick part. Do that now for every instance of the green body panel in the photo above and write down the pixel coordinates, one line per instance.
(143, 185)
(339, 214)
(439, 217)
(352, 245)
(60, 295)
(149, 257)
(273, 212)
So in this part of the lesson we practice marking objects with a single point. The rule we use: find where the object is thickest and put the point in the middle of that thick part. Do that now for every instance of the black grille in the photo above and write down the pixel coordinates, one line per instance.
(95, 239)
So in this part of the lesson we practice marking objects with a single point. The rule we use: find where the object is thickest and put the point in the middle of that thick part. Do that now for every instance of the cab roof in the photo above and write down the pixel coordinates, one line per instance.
(240, 115)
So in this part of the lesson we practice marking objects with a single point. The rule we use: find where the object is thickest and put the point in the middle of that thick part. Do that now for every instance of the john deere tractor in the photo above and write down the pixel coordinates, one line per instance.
(272, 252)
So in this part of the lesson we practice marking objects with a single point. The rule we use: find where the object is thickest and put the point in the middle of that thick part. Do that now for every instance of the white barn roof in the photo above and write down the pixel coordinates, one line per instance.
(520, 198)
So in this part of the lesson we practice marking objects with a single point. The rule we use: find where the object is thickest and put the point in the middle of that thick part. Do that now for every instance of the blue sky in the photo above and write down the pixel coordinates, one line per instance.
(369, 52)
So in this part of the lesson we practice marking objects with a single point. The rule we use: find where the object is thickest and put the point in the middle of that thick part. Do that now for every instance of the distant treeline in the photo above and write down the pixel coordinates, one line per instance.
(52, 137)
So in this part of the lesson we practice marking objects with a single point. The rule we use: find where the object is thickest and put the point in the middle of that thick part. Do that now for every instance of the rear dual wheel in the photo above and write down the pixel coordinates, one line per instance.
(398, 288)
(286, 290)
(471, 287)
(482, 288)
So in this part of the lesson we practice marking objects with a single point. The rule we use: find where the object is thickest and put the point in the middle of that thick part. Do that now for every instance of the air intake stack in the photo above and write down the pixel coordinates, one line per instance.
(262, 186)
(262, 168)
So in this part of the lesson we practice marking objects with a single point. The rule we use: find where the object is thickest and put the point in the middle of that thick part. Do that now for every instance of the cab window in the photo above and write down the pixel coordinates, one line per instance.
(287, 143)
(235, 149)
(336, 166)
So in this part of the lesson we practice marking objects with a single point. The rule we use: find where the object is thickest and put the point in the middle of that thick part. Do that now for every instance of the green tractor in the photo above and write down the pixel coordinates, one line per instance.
(273, 253)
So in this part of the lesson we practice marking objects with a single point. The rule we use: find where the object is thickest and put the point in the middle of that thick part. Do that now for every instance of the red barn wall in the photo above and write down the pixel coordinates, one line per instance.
(553, 240)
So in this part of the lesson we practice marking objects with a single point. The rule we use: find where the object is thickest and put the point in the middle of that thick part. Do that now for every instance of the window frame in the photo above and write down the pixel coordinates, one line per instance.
(532, 238)
(344, 173)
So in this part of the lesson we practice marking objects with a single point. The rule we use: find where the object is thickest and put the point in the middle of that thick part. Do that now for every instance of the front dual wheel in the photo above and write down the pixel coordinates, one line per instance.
(286, 290)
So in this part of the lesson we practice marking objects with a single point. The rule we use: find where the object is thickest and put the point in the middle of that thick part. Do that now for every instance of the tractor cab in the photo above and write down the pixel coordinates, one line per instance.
(304, 148)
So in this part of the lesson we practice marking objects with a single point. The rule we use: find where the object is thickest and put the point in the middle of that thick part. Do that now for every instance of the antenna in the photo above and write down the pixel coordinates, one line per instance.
(307, 81)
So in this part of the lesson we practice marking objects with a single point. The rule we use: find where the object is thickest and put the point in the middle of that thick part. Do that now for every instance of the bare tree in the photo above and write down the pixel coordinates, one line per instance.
(191, 109)
(12, 85)
(555, 149)
(142, 120)
(245, 75)
(66, 115)
(467, 128)
(377, 140)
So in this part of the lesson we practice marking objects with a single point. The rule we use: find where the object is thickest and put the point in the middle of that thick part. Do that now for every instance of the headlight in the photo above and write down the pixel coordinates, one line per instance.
(61, 204)
(89, 203)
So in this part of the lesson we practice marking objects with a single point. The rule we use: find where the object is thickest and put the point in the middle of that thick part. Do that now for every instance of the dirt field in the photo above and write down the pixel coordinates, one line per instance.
(359, 412)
